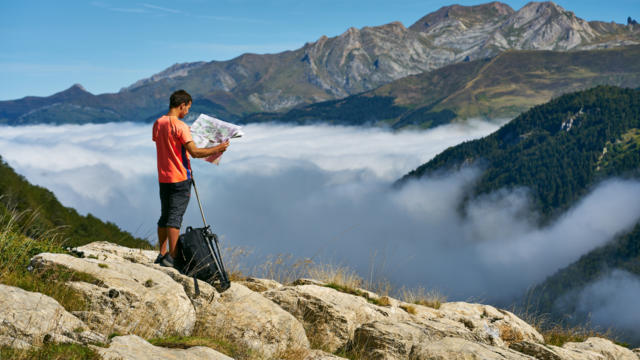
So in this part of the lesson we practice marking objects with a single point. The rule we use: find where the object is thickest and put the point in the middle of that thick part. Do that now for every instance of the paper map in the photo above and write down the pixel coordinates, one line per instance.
(208, 131)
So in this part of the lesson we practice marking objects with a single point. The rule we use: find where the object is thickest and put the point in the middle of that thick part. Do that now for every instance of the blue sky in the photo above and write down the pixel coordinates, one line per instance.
(105, 45)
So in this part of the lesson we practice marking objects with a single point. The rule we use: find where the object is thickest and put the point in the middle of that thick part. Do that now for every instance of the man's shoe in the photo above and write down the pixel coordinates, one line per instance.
(158, 259)
(167, 260)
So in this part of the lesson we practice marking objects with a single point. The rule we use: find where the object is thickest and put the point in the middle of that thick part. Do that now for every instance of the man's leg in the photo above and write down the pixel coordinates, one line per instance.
(174, 234)
(162, 239)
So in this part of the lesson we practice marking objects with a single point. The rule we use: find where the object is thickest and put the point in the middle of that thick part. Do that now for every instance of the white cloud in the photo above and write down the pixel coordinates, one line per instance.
(324, 192)
(612, 303)
(164, 9)
(107, 6)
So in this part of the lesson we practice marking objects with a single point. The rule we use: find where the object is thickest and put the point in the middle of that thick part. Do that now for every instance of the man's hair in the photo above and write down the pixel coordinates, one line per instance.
(178, 98)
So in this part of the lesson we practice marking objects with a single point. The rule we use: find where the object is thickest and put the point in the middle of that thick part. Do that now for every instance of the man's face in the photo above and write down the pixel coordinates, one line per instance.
(184, 110)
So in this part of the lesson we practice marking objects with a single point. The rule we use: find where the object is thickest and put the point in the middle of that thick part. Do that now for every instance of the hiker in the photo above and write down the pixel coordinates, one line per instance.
(173, 142)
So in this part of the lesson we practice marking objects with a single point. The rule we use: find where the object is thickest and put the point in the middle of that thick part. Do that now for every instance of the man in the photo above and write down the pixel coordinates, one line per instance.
(173, 142)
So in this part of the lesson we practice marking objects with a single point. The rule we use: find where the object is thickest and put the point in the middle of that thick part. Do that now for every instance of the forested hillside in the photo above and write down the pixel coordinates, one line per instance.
(558, 150)
(42, 212)
(623, 253)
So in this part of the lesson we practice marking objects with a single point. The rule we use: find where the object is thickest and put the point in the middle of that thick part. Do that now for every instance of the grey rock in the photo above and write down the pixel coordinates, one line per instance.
(600, 347)
(248, 318)
(135, 348)
(538, 351)
(131, 298)
(459, 349)
(320, 355)
(496, 326)
(330, 317)
(260, 285)
(29, 319)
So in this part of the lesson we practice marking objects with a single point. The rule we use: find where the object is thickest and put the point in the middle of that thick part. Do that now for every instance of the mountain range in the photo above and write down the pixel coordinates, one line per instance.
(498, 87)
(333, 68)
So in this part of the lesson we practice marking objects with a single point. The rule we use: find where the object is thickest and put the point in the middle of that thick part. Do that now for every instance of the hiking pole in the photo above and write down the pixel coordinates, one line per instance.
(193, 181)
(217, 257)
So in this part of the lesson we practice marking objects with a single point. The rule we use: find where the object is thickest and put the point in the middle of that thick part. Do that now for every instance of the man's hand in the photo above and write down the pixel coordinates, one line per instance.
(197, 152)
(223, 146)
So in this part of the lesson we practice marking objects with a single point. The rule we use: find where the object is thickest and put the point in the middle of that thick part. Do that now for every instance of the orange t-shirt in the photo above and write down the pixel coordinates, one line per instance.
(170, 135)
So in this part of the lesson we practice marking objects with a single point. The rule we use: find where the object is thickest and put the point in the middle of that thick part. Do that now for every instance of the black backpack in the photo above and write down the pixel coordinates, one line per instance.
(198, 256)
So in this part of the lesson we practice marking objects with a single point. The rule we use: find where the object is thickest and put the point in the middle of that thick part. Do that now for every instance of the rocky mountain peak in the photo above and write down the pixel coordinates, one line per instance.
(76, 90)
(78, 87)
(539, 10)
(546, 25)
(468, 15)
(175, 70)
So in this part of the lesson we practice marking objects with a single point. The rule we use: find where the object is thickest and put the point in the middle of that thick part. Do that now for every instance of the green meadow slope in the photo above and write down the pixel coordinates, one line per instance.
(43, 212)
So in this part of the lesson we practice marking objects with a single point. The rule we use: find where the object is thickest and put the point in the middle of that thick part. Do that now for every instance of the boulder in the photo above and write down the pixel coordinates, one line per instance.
(495, 326)
(320, 355)
(103, 250)
(260, 285)
(130, 298)
(594, 347)
(250, 319)
(29, 318)
(538, 351)
(132, 347)
(330, 316)
(392, 339)
(451, 348)
(306, 281)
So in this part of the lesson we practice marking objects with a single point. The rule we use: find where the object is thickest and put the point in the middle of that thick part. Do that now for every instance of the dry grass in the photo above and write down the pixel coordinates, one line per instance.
(558, 334)
(333, 274)
(408, 308)
(420, 296)
(283, 268)
(233, 258)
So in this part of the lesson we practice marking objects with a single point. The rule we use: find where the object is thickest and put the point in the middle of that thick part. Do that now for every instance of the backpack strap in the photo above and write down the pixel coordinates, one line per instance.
(195, 285)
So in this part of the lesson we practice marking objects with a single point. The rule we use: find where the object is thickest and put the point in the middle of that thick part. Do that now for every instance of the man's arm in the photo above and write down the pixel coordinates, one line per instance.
(197, 152)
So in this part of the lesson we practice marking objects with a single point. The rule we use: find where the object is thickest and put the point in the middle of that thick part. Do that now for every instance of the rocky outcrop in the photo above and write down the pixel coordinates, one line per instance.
(494, 326)
(29, 319)
(595, 348)
(132, 296)
(460, 349)
(135, 348)
(330, 316)
(320, 355)
(248, 318)
(475, 323)
(138, 297)
(260, 285)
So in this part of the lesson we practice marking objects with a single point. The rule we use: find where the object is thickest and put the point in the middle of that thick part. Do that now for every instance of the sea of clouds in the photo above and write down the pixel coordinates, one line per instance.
(324, 192)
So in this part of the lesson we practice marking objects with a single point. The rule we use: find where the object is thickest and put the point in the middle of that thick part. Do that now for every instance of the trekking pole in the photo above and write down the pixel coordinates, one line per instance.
(193, 181)
(215, 254)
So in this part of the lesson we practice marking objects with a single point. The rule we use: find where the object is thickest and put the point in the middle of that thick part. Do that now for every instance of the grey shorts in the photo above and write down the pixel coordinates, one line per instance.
(174, 198)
